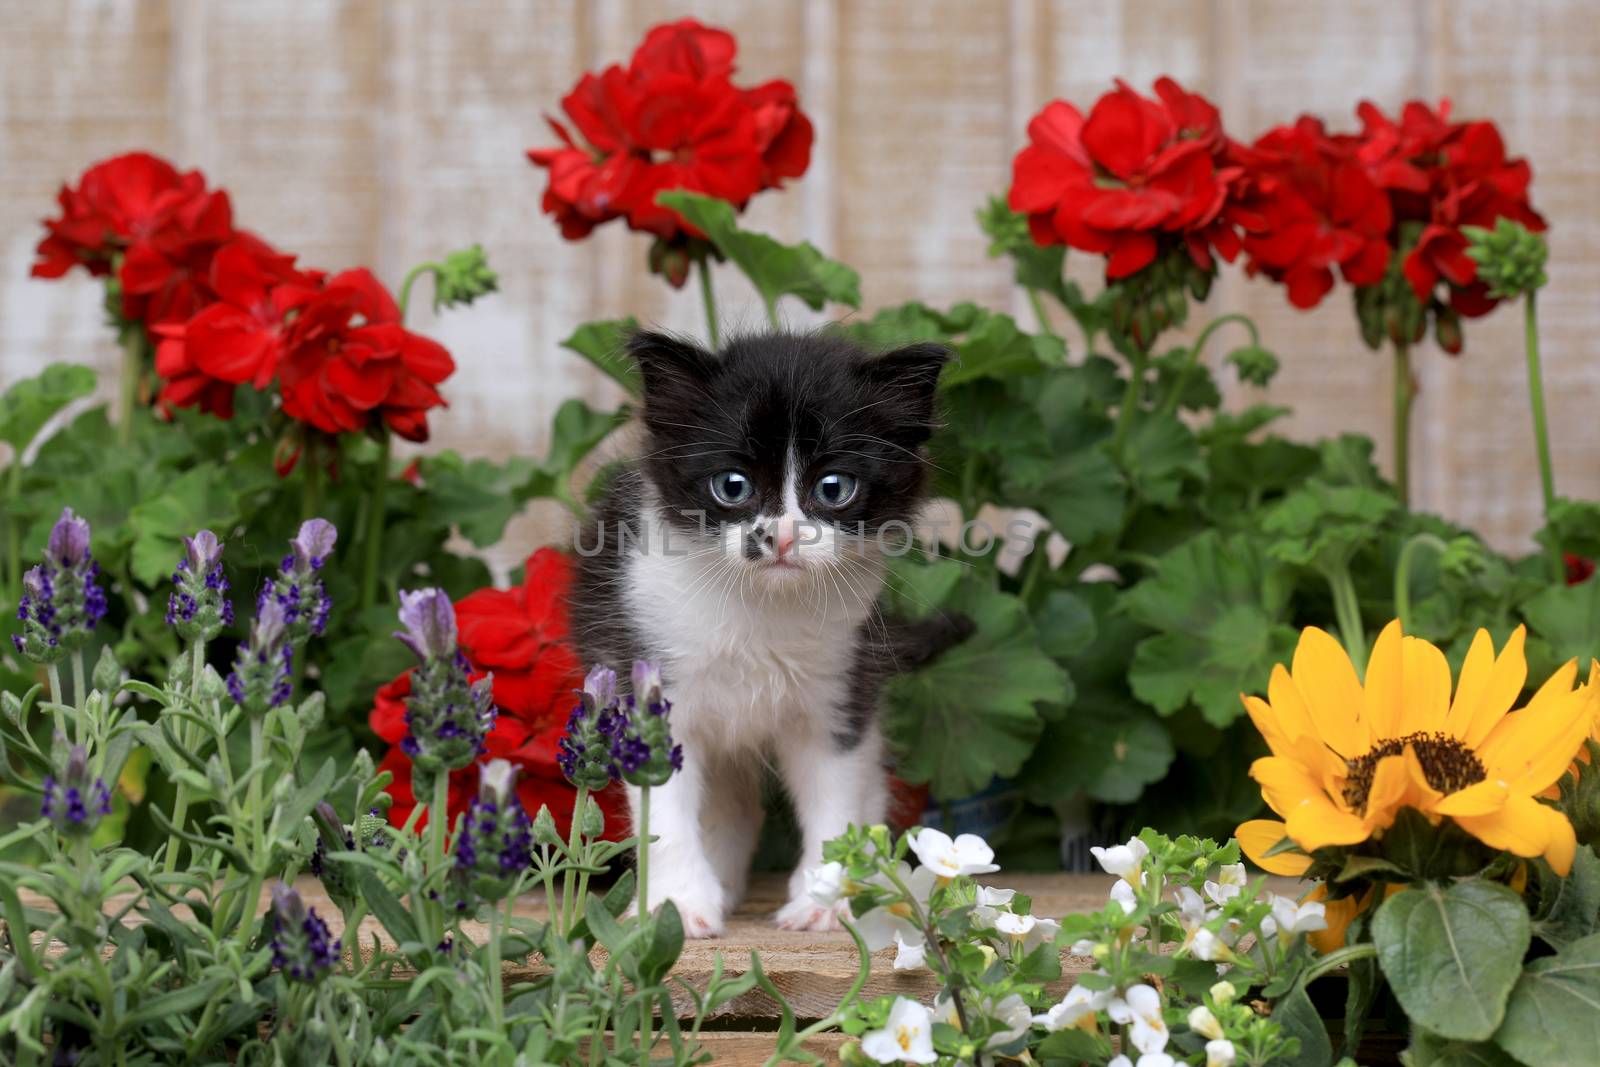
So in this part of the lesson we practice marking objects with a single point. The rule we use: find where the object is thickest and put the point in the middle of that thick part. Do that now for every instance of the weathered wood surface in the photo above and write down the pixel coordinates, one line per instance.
(382, 132)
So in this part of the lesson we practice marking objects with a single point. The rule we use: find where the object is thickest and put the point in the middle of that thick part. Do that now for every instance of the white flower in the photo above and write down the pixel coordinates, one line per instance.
(1149, 1059)
(826, 884)
(1015, 926)
(1209, 947)
(1230, 882)
(879, 927)
(1140, 1005)
(1077, 1008)
(1119, 1061)
(1012, 1012)
(967, 854)
(1122, 860)
(908, 1038)
(1223, 992)
(909, 955)
(1202, 1022)
(1082, 947)
(1291, 918)
(994, 898)
(1219, 1053)
(1122, 893)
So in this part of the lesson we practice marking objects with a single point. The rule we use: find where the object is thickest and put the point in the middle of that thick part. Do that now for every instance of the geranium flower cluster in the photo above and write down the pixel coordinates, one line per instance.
(671, 119)
(1395, 202)
(224, 308)
(520, 634)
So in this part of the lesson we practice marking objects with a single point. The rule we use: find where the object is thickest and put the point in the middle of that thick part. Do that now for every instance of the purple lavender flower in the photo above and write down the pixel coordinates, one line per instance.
(262, 669)
(494, 843)
(430, 623)
(62, 599)
(584, 751)
(76, 801)
(447, 714)
(297, 588)
(198, 606)
(641, 738)
(301, 948)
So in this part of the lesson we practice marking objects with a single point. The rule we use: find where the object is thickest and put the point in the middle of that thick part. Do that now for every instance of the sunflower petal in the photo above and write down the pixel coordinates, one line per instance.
(1259, 836)
(1264, 715)
(1288, 706)
(1385, 693)
(1531, 748)
(1474, 682)
(1391, 784)
(1520, 827)
(1482, 798)
(1316, 822)
(1562, 846)
(1327, 682)
(1427, 688)
(1500, 691)
(1420, 793)
(1285, 783)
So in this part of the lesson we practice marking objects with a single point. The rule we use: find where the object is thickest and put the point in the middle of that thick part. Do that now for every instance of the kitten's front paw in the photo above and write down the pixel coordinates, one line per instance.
(804, 913)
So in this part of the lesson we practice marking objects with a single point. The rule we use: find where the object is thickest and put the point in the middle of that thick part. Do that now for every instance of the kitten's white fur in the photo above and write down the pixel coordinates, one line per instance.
(757, 660)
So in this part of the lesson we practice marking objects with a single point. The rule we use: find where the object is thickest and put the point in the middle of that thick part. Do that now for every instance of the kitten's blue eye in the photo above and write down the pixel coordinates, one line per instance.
(835, 489)
(731, 488)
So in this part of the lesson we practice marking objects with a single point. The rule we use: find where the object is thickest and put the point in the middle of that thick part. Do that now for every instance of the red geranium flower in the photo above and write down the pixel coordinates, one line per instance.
(165, 226)
(1579, 569)
(349, 364)
(1317, 209)
(520, 635)
(1132, 175)
(672, 119)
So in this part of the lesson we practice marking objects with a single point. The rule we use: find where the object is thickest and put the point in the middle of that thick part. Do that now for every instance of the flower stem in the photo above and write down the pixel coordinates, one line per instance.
(375, 519)
(709, 298)
(642, 849)
(439, 819)
(14, 539)
(1404, 393)
(1348, 611)
(54, 674)
(569, 915)
(1130, 397)
(180, 803)
(493, 963)
(128, 391)
(1174, 397)
(311, 489)
(1541, 423)
(404, 299)
(1402, 573)
(1039, 314)
(80, 730)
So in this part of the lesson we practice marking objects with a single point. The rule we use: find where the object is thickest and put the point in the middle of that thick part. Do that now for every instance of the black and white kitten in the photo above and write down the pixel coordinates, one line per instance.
(744, 550)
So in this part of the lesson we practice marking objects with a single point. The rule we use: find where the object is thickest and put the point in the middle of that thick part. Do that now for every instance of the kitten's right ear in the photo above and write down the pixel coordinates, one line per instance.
(670, 365)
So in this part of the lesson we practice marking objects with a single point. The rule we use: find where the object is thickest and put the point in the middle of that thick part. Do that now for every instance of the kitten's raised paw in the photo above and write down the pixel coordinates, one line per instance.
(803, 913)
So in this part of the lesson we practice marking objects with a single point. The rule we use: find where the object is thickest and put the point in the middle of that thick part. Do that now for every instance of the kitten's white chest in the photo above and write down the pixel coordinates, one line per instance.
(745, 666)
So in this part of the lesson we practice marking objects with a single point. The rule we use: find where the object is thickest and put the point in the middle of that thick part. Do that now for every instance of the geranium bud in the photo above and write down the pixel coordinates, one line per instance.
(61, 598)
(76, 802)
(300, 945)
(447, 714)
(298, 588)
(198, 606)
(494, 843)
(463, 277)
(1447, 330)
(1510, 257)
(671, 260)
(261, 677)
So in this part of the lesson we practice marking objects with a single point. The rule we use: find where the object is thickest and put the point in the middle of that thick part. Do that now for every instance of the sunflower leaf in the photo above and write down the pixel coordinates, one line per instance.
(1453, 953)
(1221, 611)
(1553, 1016)
(1570, 909)
(1431, 1050)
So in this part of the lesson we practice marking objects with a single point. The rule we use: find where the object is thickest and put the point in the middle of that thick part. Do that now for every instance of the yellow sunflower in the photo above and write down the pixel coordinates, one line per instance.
(1346, 757)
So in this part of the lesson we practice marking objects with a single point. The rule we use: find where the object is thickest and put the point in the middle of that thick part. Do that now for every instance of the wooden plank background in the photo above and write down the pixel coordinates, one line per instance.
(382, 133)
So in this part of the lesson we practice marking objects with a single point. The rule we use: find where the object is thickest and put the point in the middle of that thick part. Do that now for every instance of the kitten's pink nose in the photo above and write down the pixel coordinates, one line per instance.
(783, 538)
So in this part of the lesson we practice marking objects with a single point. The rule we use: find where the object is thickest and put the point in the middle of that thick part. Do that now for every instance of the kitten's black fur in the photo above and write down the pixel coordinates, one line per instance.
(838, 406)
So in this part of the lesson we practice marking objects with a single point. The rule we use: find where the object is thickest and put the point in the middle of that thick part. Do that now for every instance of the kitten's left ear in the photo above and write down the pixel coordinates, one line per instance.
(912, 373)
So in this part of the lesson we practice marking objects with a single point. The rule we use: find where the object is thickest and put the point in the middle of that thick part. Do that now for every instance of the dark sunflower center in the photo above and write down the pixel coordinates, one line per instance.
(1447, 764)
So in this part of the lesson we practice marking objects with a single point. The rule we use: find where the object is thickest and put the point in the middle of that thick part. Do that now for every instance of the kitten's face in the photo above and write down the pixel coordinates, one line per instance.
(787, 455)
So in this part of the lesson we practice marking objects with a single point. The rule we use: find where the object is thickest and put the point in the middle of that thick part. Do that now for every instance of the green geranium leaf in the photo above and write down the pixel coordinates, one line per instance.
(1109, 749)
(479, 495)
(1066, 624)
(204, 498)
(1220, 609)
(1568, 618)
(776, 269)
(1073, 482)
(1160, 457)
(994, 347)
(1323, 526)
(1038, 266)
(906, 323)
(576, 431)
(970, 714)
(32, 402)
(1553, 1016)
(1453, 953)
(601, 343)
